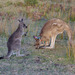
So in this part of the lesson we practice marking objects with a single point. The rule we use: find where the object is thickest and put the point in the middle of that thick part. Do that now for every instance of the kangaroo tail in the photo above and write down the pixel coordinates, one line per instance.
(69, 32)
(7, 56)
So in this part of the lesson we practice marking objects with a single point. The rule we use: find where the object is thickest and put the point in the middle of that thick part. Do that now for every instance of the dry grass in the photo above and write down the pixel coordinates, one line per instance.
(1, 27)
(44, 9)
(73, 48)
(36, 61)
(70, 51)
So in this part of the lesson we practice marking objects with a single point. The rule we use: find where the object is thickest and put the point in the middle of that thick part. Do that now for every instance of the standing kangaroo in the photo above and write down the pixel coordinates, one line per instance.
(50, 30)
(14, 41)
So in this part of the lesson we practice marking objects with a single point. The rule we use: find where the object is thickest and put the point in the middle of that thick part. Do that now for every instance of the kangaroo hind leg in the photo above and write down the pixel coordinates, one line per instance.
(53, 38)
(18, 54)
(10, 52)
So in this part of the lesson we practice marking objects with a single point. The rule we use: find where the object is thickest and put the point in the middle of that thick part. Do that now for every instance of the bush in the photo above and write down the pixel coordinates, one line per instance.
(30, 2)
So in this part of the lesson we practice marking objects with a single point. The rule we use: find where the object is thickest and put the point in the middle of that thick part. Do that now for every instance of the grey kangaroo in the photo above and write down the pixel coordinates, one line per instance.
(14, 41)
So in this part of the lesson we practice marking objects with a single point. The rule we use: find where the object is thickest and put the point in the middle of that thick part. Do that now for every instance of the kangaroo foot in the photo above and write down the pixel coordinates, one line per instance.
(20, 55)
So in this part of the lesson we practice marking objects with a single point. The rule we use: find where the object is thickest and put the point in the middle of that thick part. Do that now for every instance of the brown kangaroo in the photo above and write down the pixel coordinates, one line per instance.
(50, 31)
(14, 41)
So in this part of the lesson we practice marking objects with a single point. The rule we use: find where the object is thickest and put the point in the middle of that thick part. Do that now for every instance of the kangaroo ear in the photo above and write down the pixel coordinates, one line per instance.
(20, 20)
(36, 38)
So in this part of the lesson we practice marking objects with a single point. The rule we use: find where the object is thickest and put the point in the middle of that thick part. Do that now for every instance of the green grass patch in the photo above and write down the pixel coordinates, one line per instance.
(30, 2)
(72, 18)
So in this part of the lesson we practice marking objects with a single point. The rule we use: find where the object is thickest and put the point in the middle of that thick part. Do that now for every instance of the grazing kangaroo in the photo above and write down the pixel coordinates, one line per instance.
(50, 30)
(14, 41)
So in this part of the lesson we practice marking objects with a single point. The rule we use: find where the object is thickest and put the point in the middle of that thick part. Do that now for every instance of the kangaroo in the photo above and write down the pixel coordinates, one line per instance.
(50, 31)
(14, 41)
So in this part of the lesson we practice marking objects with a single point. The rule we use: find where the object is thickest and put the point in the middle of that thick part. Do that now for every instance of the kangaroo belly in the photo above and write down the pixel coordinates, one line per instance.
(15, 45)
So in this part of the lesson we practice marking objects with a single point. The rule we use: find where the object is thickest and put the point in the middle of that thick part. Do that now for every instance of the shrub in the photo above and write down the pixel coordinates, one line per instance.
(30, 2)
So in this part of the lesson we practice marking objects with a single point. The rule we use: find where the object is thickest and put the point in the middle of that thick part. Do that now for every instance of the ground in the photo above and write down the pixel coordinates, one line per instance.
(37, 61)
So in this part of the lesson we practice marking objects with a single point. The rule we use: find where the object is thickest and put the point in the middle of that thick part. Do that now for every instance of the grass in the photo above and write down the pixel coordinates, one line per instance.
(8, 3)
(30, 2)
(19, 4)
(59, 61)
(1, 6)
(43, 7)
(70, 51)
(42, 61)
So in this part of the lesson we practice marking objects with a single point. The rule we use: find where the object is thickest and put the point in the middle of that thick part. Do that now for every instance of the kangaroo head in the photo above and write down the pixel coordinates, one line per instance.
(37, 41)
(22, 24)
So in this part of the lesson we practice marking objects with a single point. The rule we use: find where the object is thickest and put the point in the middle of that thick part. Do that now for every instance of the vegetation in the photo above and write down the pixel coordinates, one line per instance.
(35, 13)
(0, 6)
(30, 2)
(8, 3)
